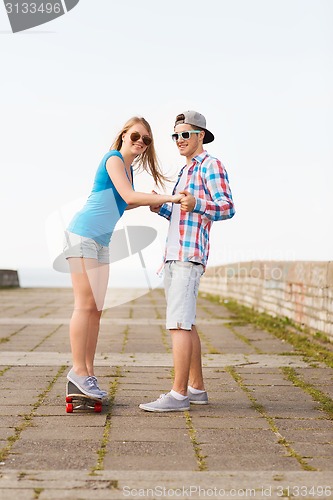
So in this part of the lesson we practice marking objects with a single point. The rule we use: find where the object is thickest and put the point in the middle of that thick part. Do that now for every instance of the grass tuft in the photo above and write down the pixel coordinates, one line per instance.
(305, 343)
(107, 428)
(28, 417)
(325, 402)
(271, 422)
(193, 436)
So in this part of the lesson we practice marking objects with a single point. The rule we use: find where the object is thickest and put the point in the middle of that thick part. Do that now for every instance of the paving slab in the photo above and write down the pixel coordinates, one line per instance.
(229, 444)
(23, 358)
(118, 484)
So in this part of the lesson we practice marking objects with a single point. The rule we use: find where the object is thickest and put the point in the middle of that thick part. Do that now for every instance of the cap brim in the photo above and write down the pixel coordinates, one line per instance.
(209, 137)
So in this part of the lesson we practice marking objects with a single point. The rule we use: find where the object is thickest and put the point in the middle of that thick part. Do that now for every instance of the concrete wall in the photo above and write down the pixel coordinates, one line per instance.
(9, 278)
(302, 291)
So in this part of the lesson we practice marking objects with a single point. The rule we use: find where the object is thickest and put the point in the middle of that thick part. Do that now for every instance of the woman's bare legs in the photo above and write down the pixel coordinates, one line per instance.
(98, 279)
(89, 279)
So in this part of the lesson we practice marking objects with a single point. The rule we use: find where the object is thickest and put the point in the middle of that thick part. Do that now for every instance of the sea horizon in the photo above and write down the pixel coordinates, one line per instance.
(119, 278)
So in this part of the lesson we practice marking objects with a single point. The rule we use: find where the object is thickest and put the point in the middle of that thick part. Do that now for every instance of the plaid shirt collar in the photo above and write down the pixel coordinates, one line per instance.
(195, 160)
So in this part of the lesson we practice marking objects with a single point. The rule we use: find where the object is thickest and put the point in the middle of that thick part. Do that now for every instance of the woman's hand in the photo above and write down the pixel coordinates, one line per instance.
(155, 208)
(176, 198)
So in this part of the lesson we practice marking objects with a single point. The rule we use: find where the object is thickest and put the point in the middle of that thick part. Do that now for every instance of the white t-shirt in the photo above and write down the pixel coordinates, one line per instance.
(173, 245)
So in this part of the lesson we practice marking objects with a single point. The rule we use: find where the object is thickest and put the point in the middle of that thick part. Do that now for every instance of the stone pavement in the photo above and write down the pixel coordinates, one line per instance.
(261, 436)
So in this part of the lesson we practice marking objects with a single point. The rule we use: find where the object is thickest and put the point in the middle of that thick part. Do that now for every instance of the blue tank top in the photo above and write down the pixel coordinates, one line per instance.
(103, 209)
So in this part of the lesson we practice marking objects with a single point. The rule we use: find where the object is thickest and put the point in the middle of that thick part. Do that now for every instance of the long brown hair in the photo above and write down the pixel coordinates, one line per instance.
(148, 159)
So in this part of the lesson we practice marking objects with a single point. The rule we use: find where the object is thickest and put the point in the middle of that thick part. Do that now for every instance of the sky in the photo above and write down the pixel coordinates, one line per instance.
(260, 71)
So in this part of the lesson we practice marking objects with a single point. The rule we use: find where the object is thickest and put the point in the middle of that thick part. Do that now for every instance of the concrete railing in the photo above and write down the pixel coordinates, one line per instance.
(301, 291)
(9, 278)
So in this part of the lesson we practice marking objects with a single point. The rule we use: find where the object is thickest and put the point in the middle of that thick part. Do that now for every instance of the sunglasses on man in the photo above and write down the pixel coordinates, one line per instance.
(184, 135)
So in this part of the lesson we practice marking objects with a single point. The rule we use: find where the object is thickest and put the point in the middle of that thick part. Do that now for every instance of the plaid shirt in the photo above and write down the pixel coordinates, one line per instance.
(207, 181)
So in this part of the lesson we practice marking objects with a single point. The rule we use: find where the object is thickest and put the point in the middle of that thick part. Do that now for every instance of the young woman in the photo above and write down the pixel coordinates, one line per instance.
(88, 236)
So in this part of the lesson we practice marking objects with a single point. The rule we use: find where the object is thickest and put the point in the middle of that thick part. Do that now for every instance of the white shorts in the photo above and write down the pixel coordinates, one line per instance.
(181, 282)
(80, 246)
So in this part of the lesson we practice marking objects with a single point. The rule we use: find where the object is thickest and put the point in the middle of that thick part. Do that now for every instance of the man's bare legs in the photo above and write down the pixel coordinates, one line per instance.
(89, 279)
(196, 376)
(186, 349)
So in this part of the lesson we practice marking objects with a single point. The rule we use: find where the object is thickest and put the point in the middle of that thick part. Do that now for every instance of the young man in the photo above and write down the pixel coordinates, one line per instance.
(207, 198)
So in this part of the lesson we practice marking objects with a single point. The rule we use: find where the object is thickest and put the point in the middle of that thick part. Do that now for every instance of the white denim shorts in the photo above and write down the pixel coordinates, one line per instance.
(80, 246)
(181, 282)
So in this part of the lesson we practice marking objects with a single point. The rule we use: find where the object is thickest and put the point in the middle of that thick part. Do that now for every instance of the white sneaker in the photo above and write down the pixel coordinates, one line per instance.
(166, 402)
(197, 399)
(96, 383)
(86, 385)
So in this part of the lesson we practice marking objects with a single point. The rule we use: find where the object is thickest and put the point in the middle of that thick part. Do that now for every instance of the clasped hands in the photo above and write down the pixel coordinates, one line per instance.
(184, 198)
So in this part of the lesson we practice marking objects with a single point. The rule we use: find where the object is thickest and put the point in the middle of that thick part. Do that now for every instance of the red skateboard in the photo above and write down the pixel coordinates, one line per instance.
(76, 400)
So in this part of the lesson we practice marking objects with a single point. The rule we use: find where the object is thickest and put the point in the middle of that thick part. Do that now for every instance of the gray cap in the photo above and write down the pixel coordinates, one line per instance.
(197, 120)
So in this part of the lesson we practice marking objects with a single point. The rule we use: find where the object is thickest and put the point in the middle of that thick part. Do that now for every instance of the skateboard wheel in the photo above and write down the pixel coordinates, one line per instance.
(98, 407)
(69, 399)
(69, 408)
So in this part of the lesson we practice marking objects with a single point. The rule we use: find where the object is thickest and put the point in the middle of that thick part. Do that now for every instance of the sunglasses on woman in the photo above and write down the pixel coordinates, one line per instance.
(135, 136)
(184, 135)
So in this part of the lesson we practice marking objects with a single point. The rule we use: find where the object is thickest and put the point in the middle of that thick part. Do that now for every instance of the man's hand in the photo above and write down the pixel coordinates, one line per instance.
(187, 203)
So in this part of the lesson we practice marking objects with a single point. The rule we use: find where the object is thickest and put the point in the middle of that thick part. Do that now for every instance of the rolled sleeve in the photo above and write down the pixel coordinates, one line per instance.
(218, 203)
(200, 206)
(165, 210)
